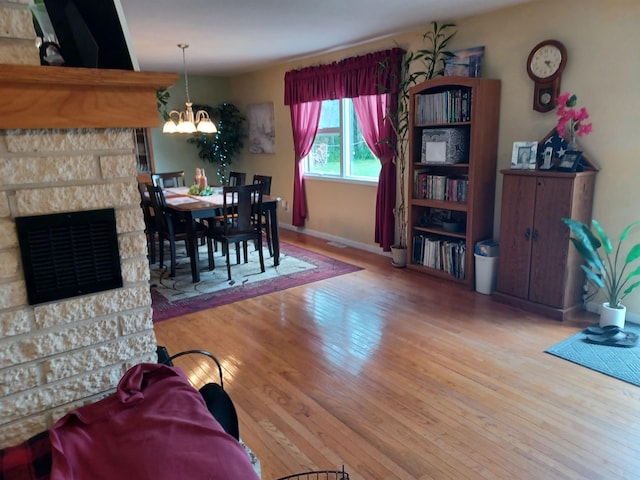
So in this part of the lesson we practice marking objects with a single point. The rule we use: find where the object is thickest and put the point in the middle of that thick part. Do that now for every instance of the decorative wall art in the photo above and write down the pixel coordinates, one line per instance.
(262, 133)
(465, 63)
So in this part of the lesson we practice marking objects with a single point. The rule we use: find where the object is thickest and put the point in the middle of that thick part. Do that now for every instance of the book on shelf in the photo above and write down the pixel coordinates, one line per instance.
(450, 106)
(456, 189)
(445, 188)
(439, 253)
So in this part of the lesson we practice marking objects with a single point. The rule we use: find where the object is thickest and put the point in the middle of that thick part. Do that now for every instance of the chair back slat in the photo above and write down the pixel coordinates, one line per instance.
(168, 179)
(149, 221)
(265, 181)
(159, 205)
(237, 178)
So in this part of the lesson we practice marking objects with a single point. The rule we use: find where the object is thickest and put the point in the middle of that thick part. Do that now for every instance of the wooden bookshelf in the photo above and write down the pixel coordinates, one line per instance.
(453, 143)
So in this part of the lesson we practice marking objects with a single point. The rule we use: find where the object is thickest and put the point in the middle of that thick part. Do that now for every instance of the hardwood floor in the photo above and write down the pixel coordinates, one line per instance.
(400, 376)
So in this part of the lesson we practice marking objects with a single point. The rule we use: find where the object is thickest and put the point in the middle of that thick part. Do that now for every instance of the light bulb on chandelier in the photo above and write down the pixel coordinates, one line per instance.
(187, 122)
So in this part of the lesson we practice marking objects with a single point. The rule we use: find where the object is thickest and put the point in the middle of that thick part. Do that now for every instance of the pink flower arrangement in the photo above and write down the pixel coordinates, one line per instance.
(571, 120)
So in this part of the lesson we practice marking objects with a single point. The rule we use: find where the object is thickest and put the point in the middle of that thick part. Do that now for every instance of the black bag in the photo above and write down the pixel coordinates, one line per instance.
(218, 401)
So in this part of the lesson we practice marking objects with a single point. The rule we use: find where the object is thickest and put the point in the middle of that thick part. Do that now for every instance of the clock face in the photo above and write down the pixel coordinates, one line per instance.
(546, 61)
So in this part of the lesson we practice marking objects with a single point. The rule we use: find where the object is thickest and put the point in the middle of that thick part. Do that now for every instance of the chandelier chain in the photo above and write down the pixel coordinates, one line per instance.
(186, 121)
(184, 62)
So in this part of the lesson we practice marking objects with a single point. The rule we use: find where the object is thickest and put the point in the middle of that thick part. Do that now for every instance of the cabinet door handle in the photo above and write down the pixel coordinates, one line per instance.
(527, 234)
(535, 234)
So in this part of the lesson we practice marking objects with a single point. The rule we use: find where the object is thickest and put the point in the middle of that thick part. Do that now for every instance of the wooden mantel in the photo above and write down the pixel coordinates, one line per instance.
(33, 97)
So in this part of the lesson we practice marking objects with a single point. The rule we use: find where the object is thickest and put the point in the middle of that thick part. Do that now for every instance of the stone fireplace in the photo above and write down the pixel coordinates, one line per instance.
(67, 145)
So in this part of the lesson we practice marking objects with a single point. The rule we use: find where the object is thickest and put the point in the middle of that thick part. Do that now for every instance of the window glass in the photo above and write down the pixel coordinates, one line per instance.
(339, 149)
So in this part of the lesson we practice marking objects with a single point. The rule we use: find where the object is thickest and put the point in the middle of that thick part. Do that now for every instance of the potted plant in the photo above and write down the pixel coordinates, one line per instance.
(431, 63)
(220, 148)
(612, 271)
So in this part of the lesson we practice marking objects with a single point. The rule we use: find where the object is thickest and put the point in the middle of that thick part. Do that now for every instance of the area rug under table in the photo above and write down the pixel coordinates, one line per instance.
(618, 362)
(172, 297)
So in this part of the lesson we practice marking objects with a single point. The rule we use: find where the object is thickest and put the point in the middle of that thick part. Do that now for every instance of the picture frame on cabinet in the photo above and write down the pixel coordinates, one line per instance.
(547, 159)
(570, 161)
(524, 155)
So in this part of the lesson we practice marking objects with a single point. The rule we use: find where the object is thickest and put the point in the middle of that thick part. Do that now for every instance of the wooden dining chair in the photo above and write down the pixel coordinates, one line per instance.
(149, 222)
(242, 210)
(237, 178)
(265, 181)
(171, 228)
(169, 179)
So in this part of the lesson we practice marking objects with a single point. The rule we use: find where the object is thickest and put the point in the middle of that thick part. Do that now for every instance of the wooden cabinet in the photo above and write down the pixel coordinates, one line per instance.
(539, 269)
(453, 141)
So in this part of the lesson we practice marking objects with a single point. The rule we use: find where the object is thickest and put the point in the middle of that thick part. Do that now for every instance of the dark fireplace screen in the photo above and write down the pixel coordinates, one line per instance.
(69, 254)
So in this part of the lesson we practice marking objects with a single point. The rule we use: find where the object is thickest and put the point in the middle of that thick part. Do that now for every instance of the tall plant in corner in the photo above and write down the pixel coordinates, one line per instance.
(220, 148)
(417, 67)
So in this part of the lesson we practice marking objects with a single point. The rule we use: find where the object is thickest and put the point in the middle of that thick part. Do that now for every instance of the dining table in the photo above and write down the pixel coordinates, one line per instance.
(194, 207)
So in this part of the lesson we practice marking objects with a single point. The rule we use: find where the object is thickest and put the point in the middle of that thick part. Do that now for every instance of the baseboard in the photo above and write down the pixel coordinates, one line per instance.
(594, 307)
(336, 239)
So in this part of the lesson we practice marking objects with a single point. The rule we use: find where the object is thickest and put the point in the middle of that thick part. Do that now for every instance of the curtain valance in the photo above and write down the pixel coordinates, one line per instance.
(348, 78)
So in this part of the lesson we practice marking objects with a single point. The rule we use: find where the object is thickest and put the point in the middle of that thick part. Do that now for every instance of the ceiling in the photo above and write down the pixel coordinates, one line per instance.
(239, 36)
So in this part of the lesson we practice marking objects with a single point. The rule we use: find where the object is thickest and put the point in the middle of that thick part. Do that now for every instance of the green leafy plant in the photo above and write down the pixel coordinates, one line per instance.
(608, 271)
(417, 67)
(220, 148)
(162, 98)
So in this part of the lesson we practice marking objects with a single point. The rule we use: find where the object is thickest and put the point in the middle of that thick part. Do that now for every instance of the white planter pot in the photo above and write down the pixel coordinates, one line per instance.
(612, 316)
(398, 256)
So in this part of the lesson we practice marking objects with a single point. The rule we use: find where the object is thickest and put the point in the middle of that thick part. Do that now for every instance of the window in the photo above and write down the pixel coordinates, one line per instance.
(339, 150)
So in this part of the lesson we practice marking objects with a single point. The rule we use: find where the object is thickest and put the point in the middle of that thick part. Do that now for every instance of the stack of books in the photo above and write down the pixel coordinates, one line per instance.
(451, 106)
(441, 254)
(445, 188)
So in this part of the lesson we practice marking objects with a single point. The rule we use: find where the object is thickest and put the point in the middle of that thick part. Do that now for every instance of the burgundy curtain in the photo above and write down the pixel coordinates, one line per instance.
(375, 74)
(305, 118)
(378, 132)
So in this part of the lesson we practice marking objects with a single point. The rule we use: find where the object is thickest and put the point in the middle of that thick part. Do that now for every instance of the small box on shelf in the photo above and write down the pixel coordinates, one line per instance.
(445, 145)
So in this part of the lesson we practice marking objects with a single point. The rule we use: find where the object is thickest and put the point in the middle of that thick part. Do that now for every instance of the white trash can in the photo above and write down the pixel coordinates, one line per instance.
(486, 274)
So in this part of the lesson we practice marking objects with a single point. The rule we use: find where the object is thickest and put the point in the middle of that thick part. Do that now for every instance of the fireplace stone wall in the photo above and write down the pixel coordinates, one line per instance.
(59, 355)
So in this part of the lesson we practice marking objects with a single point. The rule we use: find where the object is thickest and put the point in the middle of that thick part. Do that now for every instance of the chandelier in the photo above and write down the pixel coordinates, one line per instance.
(187, 122)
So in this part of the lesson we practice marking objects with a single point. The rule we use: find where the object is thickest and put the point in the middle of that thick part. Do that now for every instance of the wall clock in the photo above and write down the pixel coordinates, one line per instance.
(545, 65)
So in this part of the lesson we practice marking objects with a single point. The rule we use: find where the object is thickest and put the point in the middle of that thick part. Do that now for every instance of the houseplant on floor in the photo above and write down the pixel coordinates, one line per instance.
(431, 63)
(612, 272)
